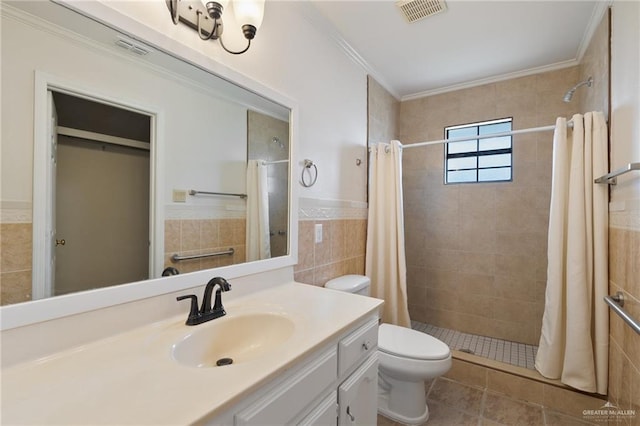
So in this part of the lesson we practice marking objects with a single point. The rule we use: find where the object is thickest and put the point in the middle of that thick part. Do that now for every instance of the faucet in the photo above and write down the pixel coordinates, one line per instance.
(206, 312)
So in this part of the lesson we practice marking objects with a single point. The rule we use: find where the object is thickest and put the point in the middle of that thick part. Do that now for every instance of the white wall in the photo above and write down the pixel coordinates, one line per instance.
(625, 96)
(205, 137)
(292, 57)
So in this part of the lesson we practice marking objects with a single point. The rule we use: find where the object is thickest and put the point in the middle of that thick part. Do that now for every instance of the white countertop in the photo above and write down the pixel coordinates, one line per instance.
(132, 378)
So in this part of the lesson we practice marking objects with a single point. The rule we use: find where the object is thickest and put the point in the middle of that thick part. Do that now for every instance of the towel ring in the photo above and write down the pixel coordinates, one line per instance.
(313, 177)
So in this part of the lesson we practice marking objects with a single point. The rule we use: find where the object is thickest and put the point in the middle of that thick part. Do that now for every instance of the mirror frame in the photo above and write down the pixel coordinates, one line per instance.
(27, 313)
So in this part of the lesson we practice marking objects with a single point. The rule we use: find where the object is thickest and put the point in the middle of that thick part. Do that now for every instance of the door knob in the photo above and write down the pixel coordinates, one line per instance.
(60, 242)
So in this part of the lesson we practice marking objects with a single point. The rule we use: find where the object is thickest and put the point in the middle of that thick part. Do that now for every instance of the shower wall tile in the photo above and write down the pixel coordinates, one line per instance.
(383, 114)
(595, 63)
(480, 249)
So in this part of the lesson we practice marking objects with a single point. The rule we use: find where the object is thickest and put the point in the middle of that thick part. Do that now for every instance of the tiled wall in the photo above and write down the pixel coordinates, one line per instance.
(341, 251)
(383, 113)
(15, 262)
(197, 236)
(595, 63)
(476, 253)
(624, 343)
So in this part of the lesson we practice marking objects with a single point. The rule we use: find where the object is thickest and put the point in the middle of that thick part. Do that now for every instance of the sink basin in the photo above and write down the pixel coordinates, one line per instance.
(233, 340)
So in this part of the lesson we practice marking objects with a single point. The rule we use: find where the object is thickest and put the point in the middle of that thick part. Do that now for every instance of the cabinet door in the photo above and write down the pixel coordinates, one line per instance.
(358, 395)
(325, 414)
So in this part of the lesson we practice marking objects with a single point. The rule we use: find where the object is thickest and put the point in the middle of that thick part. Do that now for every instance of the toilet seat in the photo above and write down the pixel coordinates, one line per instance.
(407, 343)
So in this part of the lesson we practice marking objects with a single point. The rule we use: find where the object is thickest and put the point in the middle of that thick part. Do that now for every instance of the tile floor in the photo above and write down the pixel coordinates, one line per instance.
(456, 404)
(512, 353)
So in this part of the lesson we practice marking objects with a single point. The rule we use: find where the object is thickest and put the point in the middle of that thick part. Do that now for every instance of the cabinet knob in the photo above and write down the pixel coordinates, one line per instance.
(366, 345)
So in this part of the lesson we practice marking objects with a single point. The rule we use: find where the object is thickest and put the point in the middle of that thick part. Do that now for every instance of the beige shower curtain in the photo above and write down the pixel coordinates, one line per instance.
(258, 242)
(385, 259)
(575, 326)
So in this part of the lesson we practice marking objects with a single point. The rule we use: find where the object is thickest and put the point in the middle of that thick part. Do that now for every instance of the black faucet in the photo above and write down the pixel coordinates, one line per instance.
(206, 312)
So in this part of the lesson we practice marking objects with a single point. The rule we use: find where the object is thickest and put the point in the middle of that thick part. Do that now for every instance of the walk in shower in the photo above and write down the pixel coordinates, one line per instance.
(477, 252)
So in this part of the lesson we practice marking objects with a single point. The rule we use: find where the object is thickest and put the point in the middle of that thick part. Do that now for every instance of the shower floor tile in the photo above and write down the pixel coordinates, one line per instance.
(512, 353)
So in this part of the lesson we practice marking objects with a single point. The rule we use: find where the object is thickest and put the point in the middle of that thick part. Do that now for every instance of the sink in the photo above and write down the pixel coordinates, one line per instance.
(233, 340)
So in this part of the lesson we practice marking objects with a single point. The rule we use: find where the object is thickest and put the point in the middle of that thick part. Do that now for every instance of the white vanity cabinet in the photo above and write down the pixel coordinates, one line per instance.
(336, 385)
(358, 390)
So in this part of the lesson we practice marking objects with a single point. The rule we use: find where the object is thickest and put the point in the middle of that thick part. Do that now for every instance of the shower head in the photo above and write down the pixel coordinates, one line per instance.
(569, 94)
(277, 141)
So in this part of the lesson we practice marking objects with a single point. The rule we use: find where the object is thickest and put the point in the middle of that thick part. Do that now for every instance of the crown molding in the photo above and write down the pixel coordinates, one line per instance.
(494, 79)
(322, 24)
(315, 17)
(596, 16)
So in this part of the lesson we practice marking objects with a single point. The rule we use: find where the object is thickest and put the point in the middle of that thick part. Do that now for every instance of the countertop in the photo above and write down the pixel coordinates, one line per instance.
(131, 378)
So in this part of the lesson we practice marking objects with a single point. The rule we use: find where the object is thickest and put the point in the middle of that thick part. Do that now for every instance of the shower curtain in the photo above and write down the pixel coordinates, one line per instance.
(258, 244)
(385, 261)
(575, 326)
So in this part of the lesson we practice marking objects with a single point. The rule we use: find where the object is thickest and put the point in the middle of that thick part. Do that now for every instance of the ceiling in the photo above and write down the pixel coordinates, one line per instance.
(470, 43)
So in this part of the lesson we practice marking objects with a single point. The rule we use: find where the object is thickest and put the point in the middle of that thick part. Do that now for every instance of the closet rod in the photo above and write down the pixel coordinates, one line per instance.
(487, 136)
(99, 137)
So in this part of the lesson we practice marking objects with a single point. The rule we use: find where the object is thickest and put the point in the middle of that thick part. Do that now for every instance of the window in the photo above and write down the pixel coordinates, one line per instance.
(478, 160)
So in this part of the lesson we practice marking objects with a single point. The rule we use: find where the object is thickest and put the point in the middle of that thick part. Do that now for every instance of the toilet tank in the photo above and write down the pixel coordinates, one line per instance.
(357, 284)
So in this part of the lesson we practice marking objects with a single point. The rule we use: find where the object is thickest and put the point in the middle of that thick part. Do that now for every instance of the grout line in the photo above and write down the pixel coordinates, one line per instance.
(514, 353)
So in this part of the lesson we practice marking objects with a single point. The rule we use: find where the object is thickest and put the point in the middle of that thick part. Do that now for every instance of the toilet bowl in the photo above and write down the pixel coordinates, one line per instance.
(406, 359)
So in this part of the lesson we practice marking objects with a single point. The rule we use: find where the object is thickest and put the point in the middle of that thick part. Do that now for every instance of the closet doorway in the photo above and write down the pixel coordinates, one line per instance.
(100, 193)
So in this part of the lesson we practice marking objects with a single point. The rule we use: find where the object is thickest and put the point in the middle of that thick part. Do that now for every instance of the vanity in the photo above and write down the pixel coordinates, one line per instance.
(302, 355)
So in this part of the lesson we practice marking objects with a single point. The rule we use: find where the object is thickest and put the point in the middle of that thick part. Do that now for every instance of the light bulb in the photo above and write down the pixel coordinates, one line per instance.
(249, 12)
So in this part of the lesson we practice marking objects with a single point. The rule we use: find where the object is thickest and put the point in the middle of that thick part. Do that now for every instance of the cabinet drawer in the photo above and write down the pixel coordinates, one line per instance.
(357, 345)
(288, 399)
(325, 414)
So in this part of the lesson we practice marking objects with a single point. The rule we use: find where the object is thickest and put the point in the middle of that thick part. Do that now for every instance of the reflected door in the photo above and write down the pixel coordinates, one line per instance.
(101, 211)
(102, 214)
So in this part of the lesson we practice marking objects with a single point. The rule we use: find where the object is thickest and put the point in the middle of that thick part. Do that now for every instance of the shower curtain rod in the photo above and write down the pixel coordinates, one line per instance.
(267, 163)
(487, 136)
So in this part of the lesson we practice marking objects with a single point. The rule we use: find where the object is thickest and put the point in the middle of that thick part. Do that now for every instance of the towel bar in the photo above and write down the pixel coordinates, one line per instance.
(616, 302)
(227, 194)
(178, 258)
(612, 178)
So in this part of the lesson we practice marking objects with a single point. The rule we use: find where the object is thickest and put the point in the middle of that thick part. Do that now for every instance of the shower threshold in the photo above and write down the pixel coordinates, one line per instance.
(514, 353)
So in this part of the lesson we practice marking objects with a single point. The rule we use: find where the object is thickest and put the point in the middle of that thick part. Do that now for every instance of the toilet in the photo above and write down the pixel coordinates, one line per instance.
(406, 359)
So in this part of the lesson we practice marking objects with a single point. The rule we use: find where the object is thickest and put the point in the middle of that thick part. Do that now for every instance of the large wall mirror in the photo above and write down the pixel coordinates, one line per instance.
(121, 162)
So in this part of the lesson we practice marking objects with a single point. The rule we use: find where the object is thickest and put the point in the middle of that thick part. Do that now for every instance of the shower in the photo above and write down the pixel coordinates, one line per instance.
(570, 92)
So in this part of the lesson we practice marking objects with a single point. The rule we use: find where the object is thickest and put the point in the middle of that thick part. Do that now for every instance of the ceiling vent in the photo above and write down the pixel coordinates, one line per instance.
(415, 10)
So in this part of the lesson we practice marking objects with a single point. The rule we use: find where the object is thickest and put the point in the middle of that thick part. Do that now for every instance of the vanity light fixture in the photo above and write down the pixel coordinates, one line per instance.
(206, 17)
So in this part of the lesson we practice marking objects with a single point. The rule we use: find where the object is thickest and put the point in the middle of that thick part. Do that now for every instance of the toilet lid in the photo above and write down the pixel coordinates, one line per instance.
(408, 343)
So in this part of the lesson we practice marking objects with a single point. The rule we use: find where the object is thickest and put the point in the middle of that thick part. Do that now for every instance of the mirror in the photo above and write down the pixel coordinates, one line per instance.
(200, 132)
